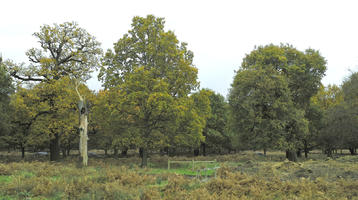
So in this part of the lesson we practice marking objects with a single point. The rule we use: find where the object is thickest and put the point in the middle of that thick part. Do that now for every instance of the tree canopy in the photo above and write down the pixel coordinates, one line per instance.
(271, 93)
(154, 75)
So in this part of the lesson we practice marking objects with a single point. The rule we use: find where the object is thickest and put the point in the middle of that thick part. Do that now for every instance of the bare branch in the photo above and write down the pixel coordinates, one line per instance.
(28, 78)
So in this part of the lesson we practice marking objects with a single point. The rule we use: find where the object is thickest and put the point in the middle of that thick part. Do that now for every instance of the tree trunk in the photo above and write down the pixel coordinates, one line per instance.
(83, 127)
(63, 152)
(141, 152)
(83, 138)
(144, 157)
(22, 152)
(203, 148)
(306, 152)
(124, 152)
(265, 151)
(106, 152)
(291, 155)
(68, 150)
(351, 150)
(196, 152)
(329, 152)
(305, 149)
(299, 153)
(55, 148)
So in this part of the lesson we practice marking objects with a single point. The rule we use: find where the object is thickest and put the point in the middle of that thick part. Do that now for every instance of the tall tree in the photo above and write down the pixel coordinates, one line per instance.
(263, 111)
(325, 109)
(301, 72)
(154, 74)
(6, 88)
(66, 51)
(350, 95)
(215, 134)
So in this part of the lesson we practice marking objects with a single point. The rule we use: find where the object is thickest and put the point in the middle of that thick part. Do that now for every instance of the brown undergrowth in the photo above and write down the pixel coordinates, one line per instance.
(238, 178)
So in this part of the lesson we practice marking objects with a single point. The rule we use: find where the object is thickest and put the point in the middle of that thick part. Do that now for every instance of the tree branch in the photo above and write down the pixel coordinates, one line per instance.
(28, 78)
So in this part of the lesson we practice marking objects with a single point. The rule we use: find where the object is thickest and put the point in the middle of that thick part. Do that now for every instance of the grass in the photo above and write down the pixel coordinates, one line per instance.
(241, 176)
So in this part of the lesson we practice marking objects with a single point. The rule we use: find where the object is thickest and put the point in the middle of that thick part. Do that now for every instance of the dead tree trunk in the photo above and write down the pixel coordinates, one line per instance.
(83, 128)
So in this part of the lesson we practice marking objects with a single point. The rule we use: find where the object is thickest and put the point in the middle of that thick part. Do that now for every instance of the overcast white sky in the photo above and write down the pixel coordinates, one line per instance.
(219, 33)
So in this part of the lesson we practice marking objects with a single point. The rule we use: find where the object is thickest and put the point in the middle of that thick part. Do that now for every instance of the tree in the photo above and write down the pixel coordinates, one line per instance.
(298, 75)
(263, 112)
(112, 131)
(154, 74)
(350, 95)
(66, 51)
(25, 112)
(323, 109)
(215, 134)
(6, 89)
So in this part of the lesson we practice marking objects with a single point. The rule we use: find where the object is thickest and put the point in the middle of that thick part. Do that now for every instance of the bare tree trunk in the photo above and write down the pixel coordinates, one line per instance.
(83, 139)
(83, 128)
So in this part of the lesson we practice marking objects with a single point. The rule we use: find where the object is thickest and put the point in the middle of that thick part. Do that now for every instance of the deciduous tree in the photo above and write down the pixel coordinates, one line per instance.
(154, 75)
(66, 50)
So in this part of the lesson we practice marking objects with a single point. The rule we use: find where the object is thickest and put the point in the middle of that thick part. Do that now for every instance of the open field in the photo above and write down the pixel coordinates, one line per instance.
(246, 175)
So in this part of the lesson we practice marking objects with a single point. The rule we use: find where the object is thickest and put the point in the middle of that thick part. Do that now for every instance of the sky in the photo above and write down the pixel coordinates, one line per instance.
(220, 33)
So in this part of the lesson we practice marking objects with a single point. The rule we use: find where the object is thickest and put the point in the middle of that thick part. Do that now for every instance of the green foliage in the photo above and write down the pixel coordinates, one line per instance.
(340, 122)
(215, 132)
(153, 74)
(271, 93)
(67, 52)
(148, 45)
(263, 112)
(6, 88)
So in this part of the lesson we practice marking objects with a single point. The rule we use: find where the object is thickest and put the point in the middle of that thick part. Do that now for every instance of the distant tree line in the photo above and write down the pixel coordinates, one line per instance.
(152, 101)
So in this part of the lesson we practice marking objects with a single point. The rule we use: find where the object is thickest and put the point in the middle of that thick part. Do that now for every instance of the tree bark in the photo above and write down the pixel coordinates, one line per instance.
(22, 152)
(55, 148)
(141, 152)
(299, 153)
(68, 150)
(124, 152)
(203, 148)
(351, 150)
(265, 151)
(196, 152)
(63, 152)
(83, 127)
(144, 157)
(291, 155)
(83, 139)
(305, 149)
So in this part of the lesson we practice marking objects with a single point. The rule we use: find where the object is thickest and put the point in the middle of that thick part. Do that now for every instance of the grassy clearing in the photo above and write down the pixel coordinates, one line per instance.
(241, 176)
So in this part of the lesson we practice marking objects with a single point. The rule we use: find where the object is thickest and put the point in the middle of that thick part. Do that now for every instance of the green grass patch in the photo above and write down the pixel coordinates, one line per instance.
(5, 179)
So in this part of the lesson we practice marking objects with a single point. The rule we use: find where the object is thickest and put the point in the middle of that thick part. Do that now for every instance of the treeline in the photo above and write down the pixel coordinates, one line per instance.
(152, 99)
